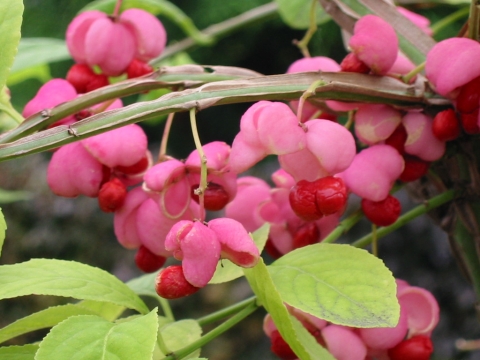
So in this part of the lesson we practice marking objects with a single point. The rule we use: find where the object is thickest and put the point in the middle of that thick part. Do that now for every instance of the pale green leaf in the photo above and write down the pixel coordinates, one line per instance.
(181, 333)
(296, 13)
(144, 285)
(9, 118)
(39, 72)
(108, 311)
(227, 271)
(3, 229)
(299, 339)
(25, 352)
(33, 52)
(10, 23)
(66, 278)
(41, 320)
(338, 283)
(89, 337)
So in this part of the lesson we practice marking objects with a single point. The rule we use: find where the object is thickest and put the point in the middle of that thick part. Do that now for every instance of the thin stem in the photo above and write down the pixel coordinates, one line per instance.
(374, 240)
(217, 31)
(350, 119)
(179, 354)
(312, 28)
(228, 311)
(200, 191)
(407, 217)
(473, 20)
(167, 310)
(166, 132)
(448, 20)
(308, 93)
(343, 227)
(407, 77)
(16, 116)
(116, 11)
(467, 345)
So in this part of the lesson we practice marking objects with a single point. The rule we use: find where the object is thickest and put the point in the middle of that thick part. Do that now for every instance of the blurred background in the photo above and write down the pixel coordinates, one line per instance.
(46, 226)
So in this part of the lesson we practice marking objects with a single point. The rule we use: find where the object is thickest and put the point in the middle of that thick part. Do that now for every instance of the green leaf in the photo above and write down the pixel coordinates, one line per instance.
(25, 352)
(296, 13)
(10, 23)
(180, 334)
(3, 229)
(33, 52)
(156, 7)
(338, 283)
(299, 339)
(66, 278)
(40, 320)
(39, 72)
(86, 337)
(144, 285)
(104, 309)
(227, 271)
(10, 118)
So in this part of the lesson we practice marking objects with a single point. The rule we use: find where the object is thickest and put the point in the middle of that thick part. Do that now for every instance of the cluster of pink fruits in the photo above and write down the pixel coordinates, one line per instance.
(410, 339)
(319, 168)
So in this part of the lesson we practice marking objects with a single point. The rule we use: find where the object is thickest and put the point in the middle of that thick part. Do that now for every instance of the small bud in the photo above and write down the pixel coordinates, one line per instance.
(331, 195)
(313, 200)
(147, 261)
(468, 99)
(351, 63)
(382, 213)
(419, 347)
(307, 234)
(398, 138)
(470, 122)
(170, 283)
(280, 347)
(414, 168)
(138, 68)
(302, 201)
(112, 195)
(84, 79)
(445, 125)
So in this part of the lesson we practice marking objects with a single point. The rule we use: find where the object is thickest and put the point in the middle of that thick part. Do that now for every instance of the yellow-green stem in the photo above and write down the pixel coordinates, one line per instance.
(350, 119)
(343, 227)
(407, 77)
(166, 133)
(407, 217)
(203, 161)
(448, 20)
(473, 20)
(374, 240)
(235, 319)
(308, 93)
(303, 44)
